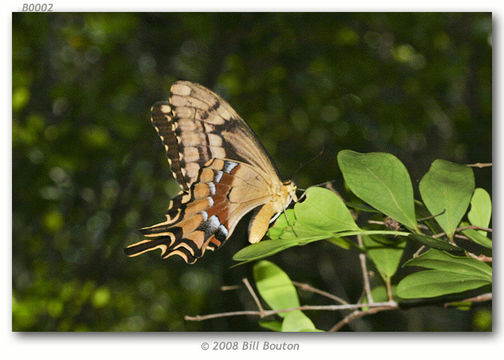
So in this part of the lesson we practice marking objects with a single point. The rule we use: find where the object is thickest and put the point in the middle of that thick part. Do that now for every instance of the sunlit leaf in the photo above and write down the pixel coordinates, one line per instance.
(341, 242)
(271, 325)
(324, 211)
(477, 237)
(449, 274)
(447, 186)
(382, 181)
(432, 283)
(481, 209)
(296, 321)
(275, 287)
(440, 260)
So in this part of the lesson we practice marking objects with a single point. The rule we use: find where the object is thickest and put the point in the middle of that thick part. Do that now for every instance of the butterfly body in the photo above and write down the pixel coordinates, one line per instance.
(223, 170)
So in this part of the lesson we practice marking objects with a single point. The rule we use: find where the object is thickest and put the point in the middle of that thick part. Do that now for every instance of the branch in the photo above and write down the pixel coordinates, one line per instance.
(357, 314)
(365, 275)
(373, 308)
(481, 257)
(308, 287)
(473, 227)
(304, 286)
(302, 308)
(479, 298)
(254, 296)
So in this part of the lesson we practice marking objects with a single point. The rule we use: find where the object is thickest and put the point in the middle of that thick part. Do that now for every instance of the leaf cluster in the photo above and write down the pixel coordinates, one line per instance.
(447, 229)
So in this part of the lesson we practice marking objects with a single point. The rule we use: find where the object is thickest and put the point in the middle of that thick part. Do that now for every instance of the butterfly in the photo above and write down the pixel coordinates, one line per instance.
(223, 170)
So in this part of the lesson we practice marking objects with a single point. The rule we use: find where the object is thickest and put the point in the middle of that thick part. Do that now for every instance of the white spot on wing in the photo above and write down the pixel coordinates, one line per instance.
(213, 223)
(223, 230)
(229, 166)
(218, 175)
(211, 187)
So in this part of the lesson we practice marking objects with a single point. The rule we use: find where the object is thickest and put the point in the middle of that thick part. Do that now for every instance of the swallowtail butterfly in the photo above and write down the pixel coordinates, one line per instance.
(223, 170)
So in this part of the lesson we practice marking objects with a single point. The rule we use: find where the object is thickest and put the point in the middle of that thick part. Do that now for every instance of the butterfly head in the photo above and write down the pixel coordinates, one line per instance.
(289, 188)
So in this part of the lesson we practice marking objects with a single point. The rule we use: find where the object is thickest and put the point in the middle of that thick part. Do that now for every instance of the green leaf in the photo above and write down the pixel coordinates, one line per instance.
(360, 206)
(296, 321)
(341, 242)
(317, 218)
(275, 287)
(440, 260)
(450, 274)
(475, 236)
(282, 226)
(386, 258)
(432, 283)
(447, 186)
(382, 181)
(267, 248)
(324, 211)
(434, 243)
(481, 209)
(271, 325)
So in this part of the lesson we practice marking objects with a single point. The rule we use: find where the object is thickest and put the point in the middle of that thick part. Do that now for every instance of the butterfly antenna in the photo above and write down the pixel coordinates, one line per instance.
(326, 184)
(302, 165)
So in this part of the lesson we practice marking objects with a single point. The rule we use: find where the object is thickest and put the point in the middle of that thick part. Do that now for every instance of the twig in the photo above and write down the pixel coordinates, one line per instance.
(365, 275)
(474, 228)
(373, 308)
(308, 287)
(254, 296)
(302, 308)
(462, 228)
(431, 216)
(357, 314)
(458, 236)
(417, 253)
(480, 165)
(482, 257)
(479, 298)
(377, 222)
(389, 289)
(304, 286)
(230, 287)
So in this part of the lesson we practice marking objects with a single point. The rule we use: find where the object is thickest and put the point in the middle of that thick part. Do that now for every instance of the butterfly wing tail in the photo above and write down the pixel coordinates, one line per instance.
(147, 245)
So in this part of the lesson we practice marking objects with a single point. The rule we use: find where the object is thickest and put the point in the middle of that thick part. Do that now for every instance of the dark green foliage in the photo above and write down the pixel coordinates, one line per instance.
(88, 168)
(381, 180)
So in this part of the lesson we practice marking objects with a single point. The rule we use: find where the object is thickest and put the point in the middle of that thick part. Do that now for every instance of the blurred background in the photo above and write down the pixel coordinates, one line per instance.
(89, 169)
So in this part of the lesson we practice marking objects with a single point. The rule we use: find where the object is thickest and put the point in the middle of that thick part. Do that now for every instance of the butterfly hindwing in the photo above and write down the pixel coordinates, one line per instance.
(204, 218)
